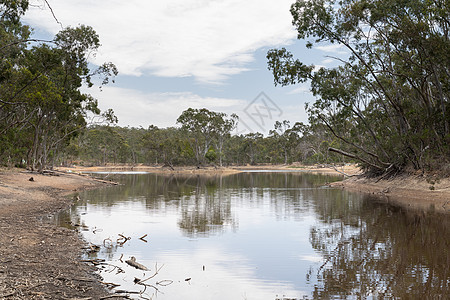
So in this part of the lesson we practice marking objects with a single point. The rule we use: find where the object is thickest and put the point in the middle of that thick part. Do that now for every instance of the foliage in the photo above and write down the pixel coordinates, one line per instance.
(205, 127)
(388, 102)
(103, 144)
(41, 105)
(46, 120)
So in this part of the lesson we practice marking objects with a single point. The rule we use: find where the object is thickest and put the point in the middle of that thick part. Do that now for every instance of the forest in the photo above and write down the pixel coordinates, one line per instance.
(385, 107)
(203, 138)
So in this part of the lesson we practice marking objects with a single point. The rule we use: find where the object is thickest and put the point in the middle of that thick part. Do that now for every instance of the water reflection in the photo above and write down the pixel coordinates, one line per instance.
(264, 236)
(375, 249)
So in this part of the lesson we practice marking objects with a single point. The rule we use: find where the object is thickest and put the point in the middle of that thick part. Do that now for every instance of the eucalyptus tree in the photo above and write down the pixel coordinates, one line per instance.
(41, 104)
(254, 147)
(388, 101)
(169, 146)
(223, 128)
(286, 138)
(61, 106)
(204, 128)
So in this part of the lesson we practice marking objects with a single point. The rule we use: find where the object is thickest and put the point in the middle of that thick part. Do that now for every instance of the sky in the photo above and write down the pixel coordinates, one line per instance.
(176, 54)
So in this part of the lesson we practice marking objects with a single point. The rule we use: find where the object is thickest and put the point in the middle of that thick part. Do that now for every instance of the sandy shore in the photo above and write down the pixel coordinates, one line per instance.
(39, 260)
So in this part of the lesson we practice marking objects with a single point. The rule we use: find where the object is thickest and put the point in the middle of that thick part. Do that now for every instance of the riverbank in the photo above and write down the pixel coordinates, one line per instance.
(39, 260)
(413, 192)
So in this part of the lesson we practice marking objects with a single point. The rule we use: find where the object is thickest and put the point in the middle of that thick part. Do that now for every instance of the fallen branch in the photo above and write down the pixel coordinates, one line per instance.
(342, 172)
(119, 269)
(132, 262)
(355, 157)
(142, 238)
(115, 296)
(105, 181)
(124, 238)
(113, 285)
(154, 274)
(110, 241)
(93, 248)
(164, 282)
(168, 165)
(95, 262)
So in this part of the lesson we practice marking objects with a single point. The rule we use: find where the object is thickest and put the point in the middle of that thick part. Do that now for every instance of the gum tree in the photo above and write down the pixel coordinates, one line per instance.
(41, 104)
(388, 101)
(204, 128)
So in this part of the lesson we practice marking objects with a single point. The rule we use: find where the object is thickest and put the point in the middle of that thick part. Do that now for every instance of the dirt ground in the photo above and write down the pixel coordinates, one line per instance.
(39, 260)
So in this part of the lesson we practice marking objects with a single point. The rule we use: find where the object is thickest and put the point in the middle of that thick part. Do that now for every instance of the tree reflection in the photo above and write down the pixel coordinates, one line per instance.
(373, 249)
(205, 201)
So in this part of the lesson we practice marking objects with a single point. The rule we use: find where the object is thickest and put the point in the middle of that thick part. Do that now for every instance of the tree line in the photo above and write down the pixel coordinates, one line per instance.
(202, 138)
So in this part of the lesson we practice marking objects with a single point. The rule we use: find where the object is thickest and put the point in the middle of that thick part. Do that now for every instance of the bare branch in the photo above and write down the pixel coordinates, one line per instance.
(54, 17)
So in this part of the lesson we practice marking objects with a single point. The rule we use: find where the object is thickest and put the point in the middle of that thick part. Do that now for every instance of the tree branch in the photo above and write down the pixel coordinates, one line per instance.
(355, 157)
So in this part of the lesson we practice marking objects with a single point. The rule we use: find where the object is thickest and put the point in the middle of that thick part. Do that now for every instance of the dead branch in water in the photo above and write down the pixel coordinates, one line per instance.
(154, 274)
(132, 262)
(142, 238)
(123, 239)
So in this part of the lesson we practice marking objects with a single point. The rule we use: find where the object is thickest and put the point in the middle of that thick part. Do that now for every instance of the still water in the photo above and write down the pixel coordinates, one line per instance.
(260, 235)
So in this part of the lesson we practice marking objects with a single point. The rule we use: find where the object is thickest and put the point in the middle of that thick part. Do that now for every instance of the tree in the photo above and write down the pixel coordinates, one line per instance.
(253, 142)
(41, 105)
(388, 102)
(287, 138)
(222, 132)
(205, 127)
(167, 145)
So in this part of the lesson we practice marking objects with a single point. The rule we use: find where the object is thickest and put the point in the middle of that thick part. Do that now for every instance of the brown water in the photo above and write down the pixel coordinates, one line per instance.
(262, 235)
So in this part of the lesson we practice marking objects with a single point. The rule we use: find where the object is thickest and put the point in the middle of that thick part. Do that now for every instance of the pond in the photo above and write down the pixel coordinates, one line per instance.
(259, 235)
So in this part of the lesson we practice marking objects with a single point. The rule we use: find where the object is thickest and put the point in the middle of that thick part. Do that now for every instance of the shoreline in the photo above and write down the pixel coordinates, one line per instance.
(415, 193)
(348, 169)
(39, 259)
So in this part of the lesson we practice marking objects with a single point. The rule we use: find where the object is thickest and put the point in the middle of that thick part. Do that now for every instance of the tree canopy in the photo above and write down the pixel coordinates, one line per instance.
(388, 102)
(41, 104)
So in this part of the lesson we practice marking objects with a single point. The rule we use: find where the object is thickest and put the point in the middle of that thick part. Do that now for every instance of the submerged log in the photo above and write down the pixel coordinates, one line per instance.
(132, 262)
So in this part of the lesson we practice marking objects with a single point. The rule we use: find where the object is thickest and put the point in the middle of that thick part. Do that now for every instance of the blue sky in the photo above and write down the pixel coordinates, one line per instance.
(176, 54)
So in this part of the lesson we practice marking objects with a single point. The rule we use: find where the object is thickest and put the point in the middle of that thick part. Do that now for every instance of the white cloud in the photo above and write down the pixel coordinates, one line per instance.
(209, 40)
(328, 61)
(332, 48)
(300, 89)
(135, 108)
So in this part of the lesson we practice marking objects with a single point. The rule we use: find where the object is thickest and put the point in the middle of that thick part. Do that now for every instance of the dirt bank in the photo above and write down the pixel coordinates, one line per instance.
(39, 260)
(409, 191)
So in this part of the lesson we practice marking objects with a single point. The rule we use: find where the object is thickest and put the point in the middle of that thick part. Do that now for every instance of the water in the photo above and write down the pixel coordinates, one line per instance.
(261, 235)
